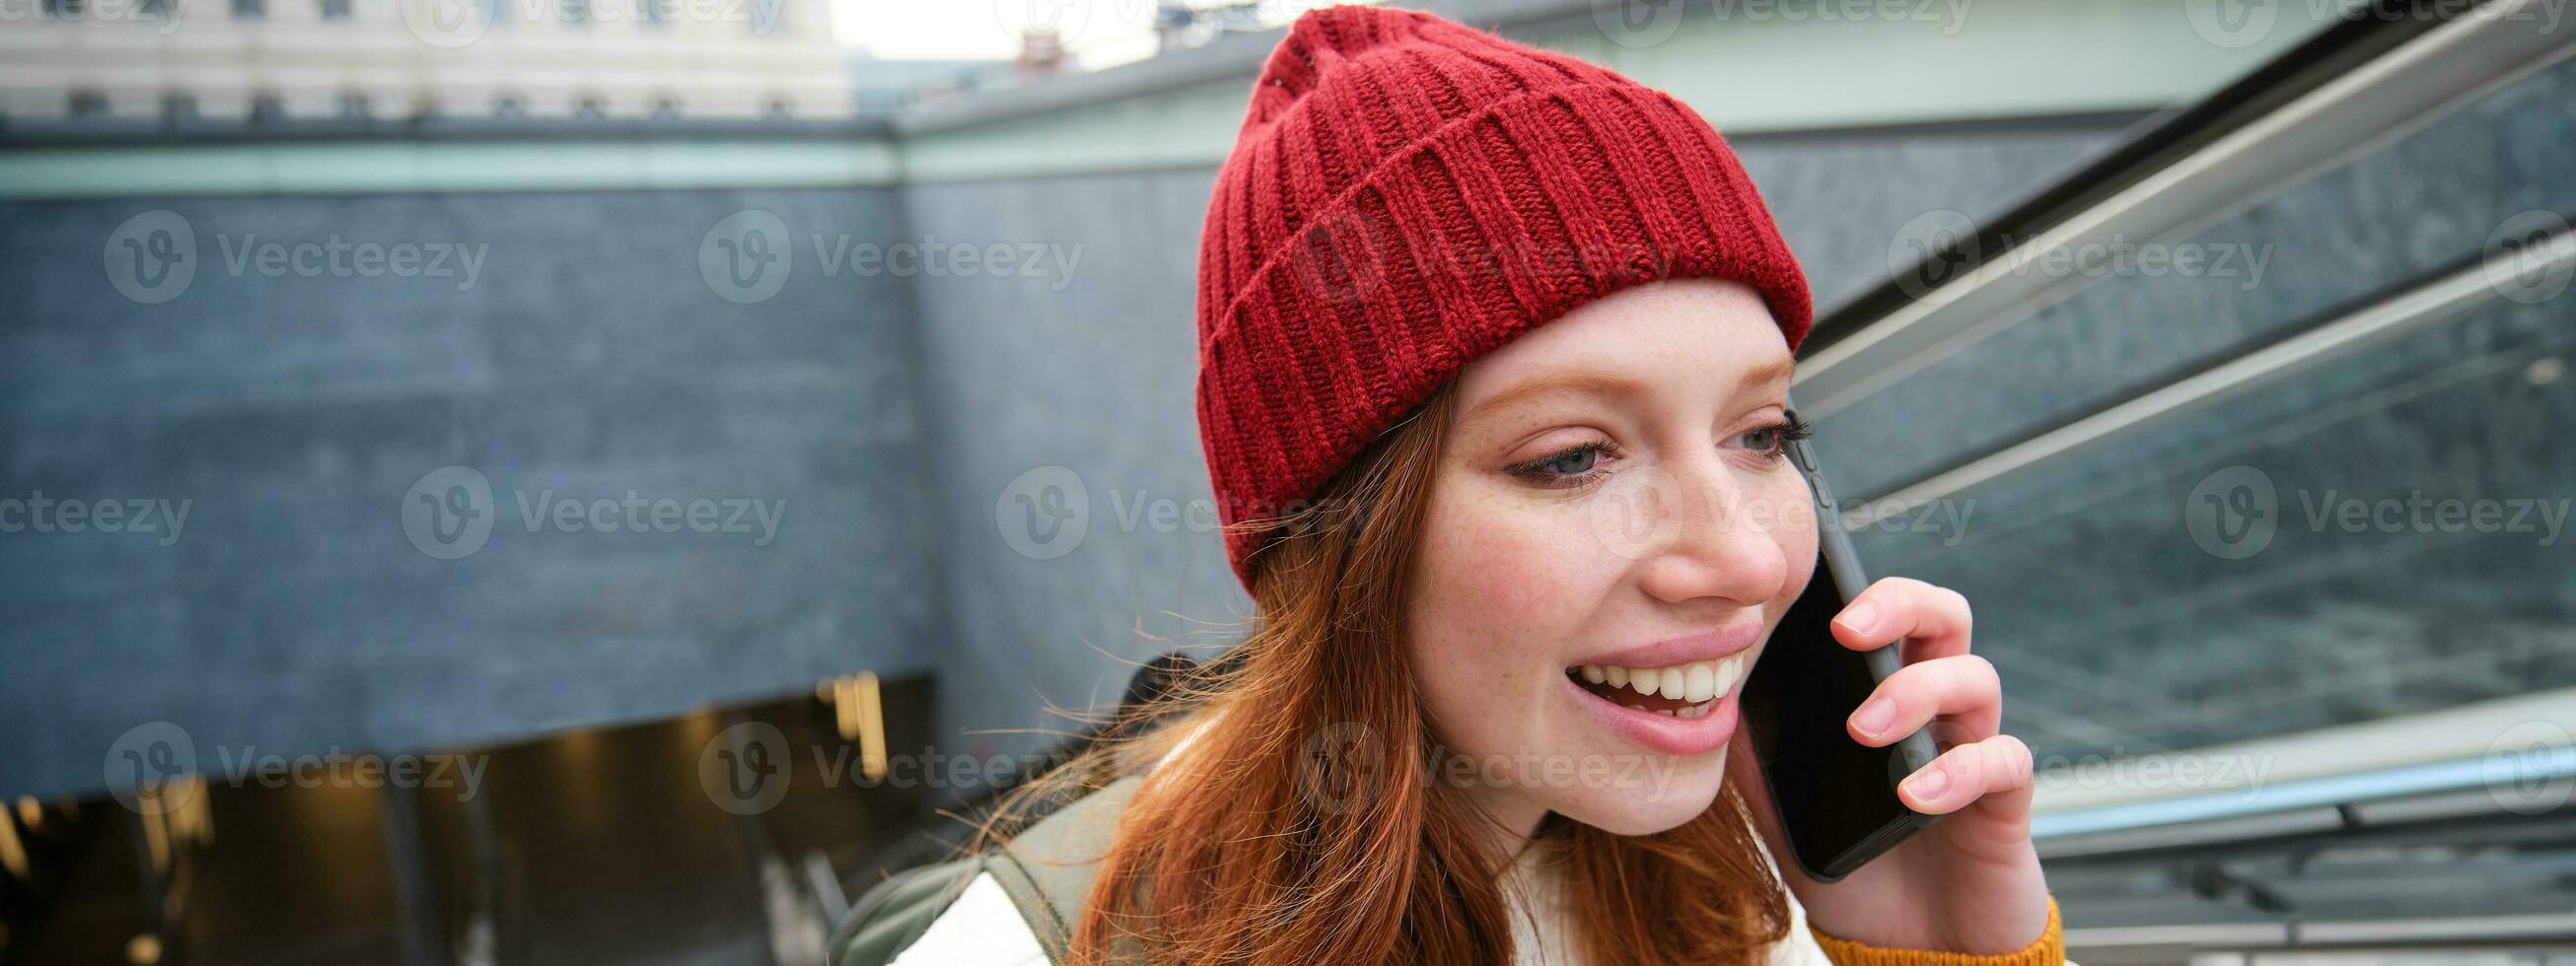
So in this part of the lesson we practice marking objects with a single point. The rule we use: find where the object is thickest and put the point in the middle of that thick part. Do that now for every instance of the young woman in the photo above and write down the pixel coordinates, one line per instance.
(1494, 350)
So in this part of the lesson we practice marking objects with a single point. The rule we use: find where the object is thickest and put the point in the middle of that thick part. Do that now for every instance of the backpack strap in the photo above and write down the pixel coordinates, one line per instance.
(1047, 868)
(894, 913)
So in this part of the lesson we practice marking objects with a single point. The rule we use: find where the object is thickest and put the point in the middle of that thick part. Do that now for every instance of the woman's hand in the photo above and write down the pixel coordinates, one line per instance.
(1970, 883)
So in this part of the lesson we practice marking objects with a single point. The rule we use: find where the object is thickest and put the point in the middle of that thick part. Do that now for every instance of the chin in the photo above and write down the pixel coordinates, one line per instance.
(1663, 794)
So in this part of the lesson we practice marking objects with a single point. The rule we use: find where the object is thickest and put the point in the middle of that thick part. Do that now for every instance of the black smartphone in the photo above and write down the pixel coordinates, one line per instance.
(1836, 797)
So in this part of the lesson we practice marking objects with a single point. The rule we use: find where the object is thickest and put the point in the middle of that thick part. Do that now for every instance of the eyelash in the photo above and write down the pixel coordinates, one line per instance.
(1789, 430)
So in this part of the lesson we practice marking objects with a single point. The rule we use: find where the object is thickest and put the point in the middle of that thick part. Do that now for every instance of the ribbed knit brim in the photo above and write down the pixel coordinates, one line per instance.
(1408, 193)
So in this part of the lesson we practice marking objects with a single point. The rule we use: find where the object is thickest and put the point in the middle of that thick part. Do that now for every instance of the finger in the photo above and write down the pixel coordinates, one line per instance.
(1962, 690)
(1994, 773)
(1933, 620)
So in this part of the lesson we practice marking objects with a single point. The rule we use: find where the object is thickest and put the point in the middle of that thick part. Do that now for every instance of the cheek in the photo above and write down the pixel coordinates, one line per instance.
(1795, 510)
(1497, 599)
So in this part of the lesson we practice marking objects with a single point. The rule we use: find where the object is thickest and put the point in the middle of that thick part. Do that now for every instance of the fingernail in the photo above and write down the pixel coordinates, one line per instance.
(1874, 717)
(1929, 783)
(1860, 618)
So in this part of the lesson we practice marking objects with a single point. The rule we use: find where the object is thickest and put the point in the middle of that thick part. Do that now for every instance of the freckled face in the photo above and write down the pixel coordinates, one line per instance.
(1612, 492)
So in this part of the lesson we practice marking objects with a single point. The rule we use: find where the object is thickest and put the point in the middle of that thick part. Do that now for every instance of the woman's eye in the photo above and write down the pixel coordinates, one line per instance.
(1575, 462)
(1773, 440)
(1571, 467)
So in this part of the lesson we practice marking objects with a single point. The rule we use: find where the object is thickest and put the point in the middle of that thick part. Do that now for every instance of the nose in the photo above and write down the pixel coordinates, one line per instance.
(1717, 537)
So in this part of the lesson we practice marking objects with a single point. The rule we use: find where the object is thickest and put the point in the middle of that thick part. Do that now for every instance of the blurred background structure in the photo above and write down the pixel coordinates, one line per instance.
(557, 482)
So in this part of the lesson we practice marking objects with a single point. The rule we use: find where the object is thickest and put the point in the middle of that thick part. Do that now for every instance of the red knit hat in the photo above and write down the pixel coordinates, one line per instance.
(1408, 193)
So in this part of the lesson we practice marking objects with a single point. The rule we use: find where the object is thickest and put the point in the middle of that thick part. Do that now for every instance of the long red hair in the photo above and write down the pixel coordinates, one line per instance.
(1297, 828)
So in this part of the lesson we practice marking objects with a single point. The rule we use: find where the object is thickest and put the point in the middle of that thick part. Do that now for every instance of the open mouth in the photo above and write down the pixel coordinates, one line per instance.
(1687, 691)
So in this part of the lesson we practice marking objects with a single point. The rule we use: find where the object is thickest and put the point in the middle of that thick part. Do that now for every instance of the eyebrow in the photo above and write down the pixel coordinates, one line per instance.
(1779, 369)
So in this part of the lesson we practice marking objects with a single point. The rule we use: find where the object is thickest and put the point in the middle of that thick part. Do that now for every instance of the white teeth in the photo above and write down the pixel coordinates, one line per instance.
(1698, 681)
(1728, 672)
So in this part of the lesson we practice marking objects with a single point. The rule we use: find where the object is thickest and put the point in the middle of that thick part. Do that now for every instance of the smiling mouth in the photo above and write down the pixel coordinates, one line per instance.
(1688, 691)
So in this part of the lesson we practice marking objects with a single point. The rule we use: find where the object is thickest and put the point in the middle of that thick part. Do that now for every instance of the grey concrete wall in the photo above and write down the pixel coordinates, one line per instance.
(296, 414)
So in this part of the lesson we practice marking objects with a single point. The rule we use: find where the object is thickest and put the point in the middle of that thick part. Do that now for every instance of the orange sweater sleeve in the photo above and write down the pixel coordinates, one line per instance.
(2047, 950)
